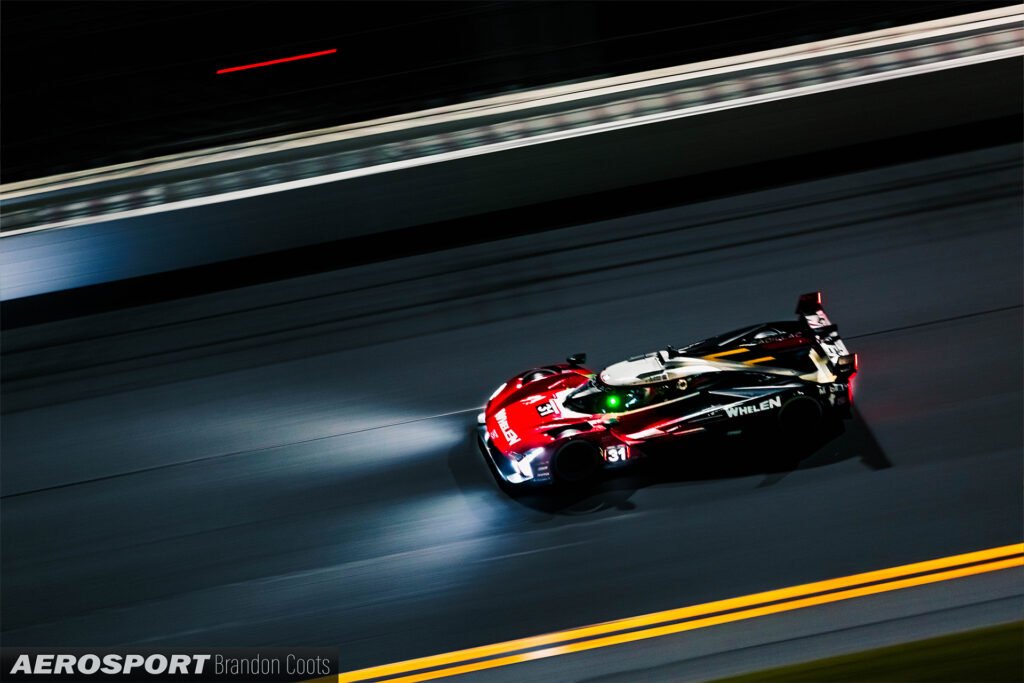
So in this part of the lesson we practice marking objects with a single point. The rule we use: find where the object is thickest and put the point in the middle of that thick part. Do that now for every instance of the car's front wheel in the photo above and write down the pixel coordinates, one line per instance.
(576, 462)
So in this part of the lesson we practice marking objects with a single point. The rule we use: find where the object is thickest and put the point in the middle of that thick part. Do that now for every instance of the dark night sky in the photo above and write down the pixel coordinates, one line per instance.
(91, 83)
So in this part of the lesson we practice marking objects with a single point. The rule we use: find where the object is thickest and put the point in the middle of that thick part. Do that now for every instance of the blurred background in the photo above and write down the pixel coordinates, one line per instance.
(96, 83)
(240, 381)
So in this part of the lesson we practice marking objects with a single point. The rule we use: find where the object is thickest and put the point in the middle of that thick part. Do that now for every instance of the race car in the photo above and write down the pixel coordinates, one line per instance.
(565, 424)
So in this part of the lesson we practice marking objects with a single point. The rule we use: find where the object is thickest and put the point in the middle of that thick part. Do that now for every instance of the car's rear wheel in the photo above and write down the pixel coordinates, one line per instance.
(800, 417)
(576, 462)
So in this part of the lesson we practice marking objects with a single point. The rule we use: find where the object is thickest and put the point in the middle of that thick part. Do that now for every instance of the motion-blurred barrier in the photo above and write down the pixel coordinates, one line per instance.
(77, 198)
(516, 150)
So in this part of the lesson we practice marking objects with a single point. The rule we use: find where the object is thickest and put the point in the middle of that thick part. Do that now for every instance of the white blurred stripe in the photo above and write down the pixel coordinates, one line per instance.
(526, 142)
(1005, 16)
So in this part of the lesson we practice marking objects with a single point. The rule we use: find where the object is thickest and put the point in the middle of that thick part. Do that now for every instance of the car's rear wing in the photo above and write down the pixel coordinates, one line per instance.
(839, 359)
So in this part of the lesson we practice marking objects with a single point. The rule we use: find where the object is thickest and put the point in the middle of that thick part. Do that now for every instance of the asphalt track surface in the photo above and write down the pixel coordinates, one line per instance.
(291, 463)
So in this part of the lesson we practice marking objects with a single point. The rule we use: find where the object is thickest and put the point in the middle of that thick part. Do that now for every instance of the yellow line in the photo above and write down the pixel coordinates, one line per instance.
(759, 360)
(720, 354)
(674, 615)
(710, 621)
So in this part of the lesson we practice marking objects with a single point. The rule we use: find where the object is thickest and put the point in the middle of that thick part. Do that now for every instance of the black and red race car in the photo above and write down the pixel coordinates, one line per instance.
(564, 423)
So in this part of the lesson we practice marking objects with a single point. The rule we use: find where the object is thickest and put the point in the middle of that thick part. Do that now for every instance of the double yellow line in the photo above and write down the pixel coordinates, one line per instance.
(690, 618)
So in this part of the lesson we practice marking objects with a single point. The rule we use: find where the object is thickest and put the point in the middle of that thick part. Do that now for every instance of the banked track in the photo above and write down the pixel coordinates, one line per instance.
(291, 462)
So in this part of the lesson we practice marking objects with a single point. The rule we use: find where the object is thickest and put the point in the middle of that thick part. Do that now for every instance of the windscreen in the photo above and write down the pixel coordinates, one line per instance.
(596, 398)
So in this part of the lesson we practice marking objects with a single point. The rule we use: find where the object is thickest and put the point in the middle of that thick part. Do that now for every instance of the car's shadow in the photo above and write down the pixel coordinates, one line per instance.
(772, 459)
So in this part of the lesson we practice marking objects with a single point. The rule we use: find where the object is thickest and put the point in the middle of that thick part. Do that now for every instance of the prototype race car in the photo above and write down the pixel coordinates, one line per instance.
(565, 424)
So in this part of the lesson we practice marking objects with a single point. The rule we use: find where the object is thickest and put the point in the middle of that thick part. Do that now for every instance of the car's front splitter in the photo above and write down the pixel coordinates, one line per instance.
(503, 465)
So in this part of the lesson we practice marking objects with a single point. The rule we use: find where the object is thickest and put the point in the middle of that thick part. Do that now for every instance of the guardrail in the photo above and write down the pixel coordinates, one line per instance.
(504, 123)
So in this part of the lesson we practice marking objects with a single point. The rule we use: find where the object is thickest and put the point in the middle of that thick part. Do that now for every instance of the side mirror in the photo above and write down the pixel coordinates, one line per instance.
(576, 359)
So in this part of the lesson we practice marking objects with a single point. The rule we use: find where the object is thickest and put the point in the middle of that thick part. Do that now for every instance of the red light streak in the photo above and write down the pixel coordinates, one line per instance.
(308, 55)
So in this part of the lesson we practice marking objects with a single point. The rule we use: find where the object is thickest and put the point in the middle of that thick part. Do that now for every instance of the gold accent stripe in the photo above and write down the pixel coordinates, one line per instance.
(722, 354)
(758, 360)
(796, 597)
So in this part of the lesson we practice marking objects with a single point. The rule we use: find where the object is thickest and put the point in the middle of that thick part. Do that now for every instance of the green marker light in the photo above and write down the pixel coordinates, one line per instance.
(613, 401)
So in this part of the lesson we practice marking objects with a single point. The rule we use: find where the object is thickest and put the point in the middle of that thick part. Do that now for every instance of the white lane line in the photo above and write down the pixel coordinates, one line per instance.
(531, 552)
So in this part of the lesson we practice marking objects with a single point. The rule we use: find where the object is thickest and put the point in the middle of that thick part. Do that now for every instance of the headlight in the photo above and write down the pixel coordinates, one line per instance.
(523, 462)
(532, 453)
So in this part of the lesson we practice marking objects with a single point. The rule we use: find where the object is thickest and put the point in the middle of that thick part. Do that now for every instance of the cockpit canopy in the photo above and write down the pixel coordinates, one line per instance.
(654, 368)
(596, 397)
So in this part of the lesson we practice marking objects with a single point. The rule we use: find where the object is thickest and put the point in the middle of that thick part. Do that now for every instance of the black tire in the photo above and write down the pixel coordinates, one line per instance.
(800, 417)
(576, 463)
